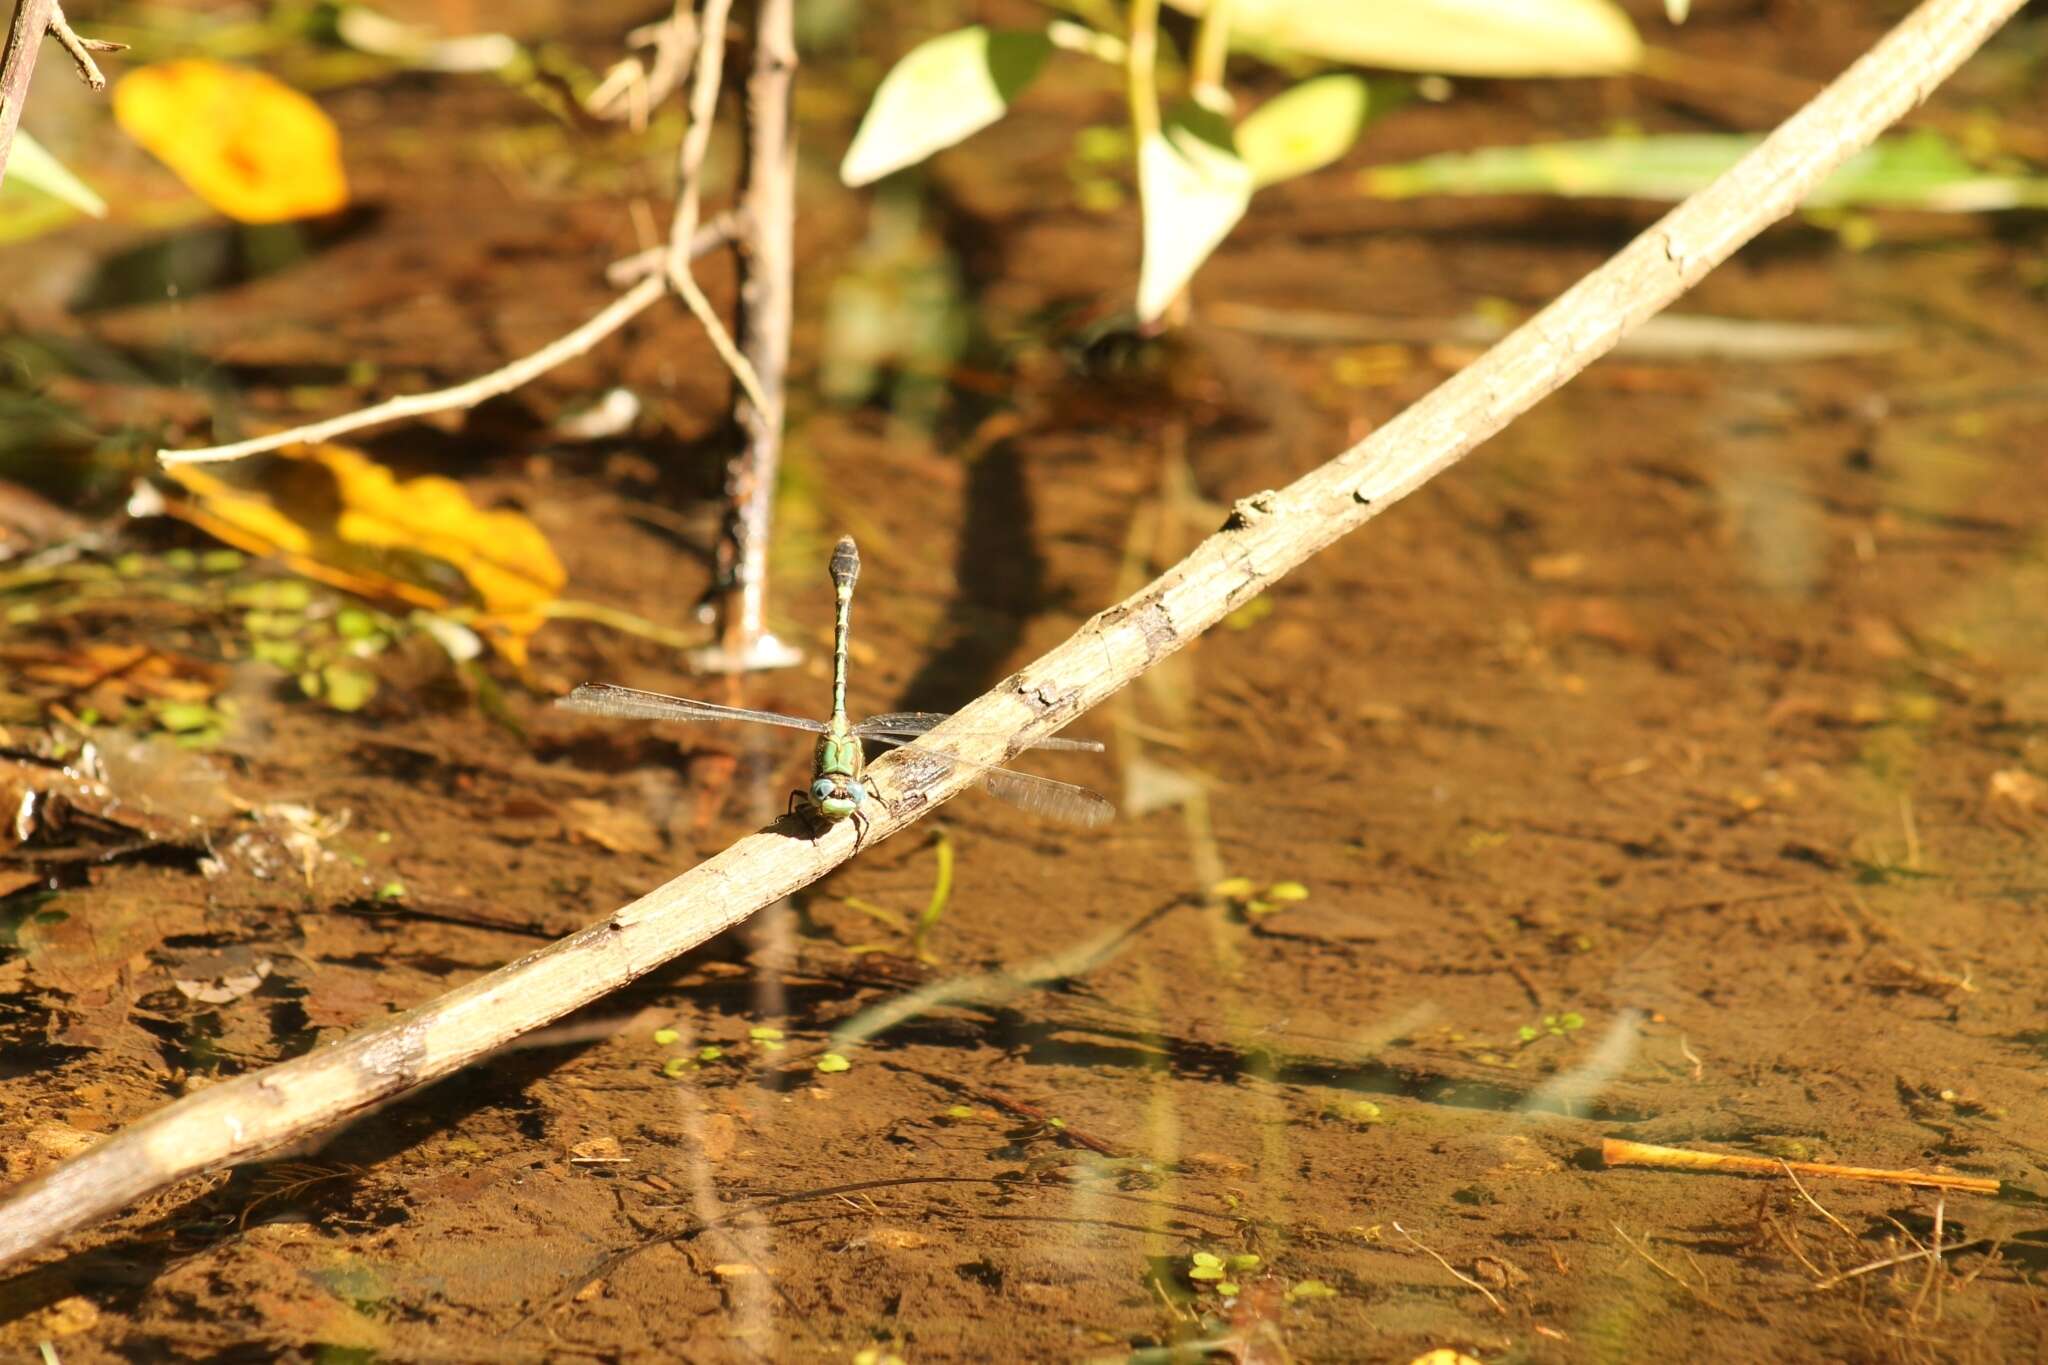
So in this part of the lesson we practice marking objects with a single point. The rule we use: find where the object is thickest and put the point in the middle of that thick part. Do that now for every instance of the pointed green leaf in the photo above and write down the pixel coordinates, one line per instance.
(30, 165)
(1450, 37)
(1303, 129)
(943, 91)
(1194, 190)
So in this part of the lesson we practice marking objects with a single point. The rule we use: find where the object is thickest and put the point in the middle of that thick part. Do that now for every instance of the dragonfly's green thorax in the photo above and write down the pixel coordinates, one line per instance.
(836, 789)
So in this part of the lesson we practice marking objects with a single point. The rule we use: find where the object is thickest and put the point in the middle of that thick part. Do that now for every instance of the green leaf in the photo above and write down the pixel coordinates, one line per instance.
(185, 717)
(1194, 190)
(30, 165)
(1450, 37)
(1920, 170)
(347, 689)
(832, 1062)
(945, 90)
(1303, 129)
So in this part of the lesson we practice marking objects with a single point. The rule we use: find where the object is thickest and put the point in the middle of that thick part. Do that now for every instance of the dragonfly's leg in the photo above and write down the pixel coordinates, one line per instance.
(800, 803)
(860, 829)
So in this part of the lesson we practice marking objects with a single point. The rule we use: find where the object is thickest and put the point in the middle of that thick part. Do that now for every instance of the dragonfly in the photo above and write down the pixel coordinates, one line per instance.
(839, 789)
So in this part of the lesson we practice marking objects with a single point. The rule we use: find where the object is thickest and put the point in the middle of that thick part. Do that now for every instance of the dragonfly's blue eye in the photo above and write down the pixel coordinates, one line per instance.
(821, 790)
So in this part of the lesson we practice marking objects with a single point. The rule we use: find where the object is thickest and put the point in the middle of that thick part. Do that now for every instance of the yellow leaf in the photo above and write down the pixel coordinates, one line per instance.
(334, 515)
(258, 151)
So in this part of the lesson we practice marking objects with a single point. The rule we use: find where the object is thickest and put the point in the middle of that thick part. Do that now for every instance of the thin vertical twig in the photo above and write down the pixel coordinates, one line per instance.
(767, 265)
(24, 41)
(689, 190)
(1141, 79)
(33, 19)
(1212, 53)
(1460, 1276)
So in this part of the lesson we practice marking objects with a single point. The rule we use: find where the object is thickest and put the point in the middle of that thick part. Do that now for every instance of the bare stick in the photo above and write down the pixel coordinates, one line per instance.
(1933, 1259)
(32, 19)
(81, 49)
(1618, 1152)
(1840, 1226)
(1903, 1258)
(24, 41)
(1266, 536)
(689, 175)
(767, 260)
(726, 227)
(1668, 1272)
(1460, 1276)
(609, 319)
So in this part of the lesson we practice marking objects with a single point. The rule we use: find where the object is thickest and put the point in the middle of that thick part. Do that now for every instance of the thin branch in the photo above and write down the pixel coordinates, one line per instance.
(1903, 1258)
(689, 175)
(81, 49)
(18, 64)
(1268, 534)
(1141, 75)
(1818, 1208)
(32, 19)
(1212, 52)
(1669, 1273)
(631, 87)
(767, 286)
(726, 227)
(1460, 1276)
(609, 319)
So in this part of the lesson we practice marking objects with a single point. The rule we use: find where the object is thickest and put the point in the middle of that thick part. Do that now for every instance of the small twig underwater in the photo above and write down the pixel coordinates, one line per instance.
(1460, 1276)
(1272, 533)
(1669, 1273)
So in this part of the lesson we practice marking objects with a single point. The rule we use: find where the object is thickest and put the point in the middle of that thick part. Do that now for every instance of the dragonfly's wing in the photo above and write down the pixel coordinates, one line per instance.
(608, 699)
(900, 727)
(1042, 796)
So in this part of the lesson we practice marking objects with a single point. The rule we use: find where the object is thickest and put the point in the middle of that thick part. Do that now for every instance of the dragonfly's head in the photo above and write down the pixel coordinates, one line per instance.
(836, 796)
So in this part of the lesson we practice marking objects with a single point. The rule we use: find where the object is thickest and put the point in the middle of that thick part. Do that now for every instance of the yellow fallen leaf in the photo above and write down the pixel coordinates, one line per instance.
(334, 515)
(255, 149)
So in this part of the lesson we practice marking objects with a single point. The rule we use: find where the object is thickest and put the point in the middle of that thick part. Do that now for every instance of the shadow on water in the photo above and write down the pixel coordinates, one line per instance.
(213, 257)
(999, 579)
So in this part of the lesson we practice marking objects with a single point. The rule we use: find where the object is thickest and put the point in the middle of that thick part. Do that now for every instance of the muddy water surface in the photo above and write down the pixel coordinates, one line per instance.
(1673, 770)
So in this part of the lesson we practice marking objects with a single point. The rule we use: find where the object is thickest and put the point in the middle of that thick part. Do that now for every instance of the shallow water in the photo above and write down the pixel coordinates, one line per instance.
(1672, 770)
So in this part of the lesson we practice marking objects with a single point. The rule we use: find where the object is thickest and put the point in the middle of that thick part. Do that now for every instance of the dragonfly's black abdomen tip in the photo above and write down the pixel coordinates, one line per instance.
(845, 561)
